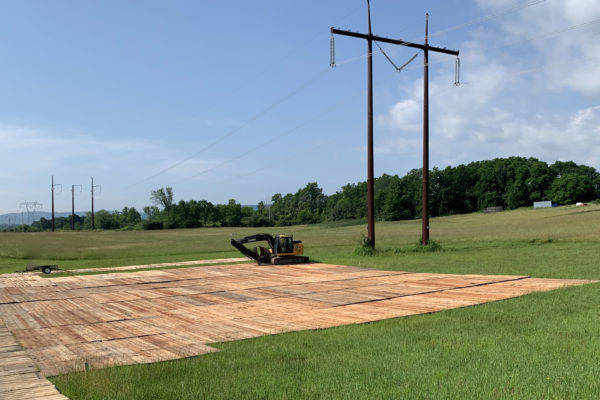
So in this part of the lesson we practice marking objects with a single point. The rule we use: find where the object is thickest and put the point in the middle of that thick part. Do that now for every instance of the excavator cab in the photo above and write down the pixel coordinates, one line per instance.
(284, 245)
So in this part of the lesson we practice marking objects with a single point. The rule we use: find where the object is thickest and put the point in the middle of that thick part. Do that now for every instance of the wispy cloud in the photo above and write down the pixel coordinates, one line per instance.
(29, 156)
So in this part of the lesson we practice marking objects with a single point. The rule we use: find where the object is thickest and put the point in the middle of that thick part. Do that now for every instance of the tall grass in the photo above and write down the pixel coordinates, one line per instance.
(472, 237)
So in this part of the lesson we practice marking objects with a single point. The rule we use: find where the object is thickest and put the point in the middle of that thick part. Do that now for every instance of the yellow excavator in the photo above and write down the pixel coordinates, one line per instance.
(282, 249)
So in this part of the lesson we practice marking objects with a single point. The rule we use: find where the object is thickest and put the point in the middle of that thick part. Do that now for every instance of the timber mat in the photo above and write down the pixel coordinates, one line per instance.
(19, 378)
(73, 323)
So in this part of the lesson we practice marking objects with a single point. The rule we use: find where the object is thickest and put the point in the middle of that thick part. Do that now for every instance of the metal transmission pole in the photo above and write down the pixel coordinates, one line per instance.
(426, 48)
(31, 207)
(94, 186)
(53, 185)
(73, 205)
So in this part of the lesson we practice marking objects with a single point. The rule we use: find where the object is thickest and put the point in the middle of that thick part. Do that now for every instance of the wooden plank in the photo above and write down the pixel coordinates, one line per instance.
(19, 378)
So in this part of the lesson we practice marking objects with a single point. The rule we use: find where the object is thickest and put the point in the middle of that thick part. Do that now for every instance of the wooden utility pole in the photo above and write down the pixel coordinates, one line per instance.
(93, 187)
(425, 172)
(52, 203)
(370, 195)
(73, 206)
(370, 178)
(53, 186)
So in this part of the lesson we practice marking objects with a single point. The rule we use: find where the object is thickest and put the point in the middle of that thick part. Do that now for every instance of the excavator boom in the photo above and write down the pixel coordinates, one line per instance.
(254, 253)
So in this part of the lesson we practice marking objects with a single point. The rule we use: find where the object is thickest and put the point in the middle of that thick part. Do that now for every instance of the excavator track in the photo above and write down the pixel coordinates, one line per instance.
(289, 260)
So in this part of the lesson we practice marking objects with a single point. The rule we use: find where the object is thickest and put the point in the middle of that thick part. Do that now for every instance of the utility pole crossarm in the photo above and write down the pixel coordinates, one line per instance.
(394, 41)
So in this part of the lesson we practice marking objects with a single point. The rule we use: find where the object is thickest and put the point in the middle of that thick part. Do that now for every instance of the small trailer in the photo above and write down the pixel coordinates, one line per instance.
(46, 269)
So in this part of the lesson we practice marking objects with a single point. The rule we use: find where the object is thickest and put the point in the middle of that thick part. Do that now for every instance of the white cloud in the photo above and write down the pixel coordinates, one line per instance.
(513, 100)
(404, 115)
(578, 11)
(563, 37)
(466, 132)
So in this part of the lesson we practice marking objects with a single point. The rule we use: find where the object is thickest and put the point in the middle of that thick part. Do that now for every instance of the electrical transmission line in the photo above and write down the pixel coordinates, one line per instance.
(370, 178)
(31, 207)
(253, 118)
(278, 136)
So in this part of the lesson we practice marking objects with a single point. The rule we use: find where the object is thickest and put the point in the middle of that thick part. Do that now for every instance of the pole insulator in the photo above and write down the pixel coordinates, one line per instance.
(332, 51)
(457, 72)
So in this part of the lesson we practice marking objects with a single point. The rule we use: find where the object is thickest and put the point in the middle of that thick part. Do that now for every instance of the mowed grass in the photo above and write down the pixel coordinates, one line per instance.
(543, 345)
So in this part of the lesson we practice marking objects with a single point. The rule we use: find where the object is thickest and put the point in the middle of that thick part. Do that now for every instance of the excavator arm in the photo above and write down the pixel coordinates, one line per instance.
(254, 254)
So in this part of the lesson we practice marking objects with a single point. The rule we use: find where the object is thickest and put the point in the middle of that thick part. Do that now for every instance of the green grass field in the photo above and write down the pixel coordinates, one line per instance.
(543, 345)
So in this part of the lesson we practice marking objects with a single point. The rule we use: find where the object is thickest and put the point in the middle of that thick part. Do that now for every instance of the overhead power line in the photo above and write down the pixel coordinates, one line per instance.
(426, 48)
(446, 88)
(553, 33)
(482, 19)
(255, 117)
(488, 17)
(278, 136)
(291, 51)
(346, 61)
(538, 37)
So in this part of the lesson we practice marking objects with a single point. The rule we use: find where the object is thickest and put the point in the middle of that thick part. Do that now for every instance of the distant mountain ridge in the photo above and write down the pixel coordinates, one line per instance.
(28, 218)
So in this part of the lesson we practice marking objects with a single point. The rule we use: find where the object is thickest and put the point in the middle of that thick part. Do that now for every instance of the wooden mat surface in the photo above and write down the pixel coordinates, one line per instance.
(19, 377)
(71, 323)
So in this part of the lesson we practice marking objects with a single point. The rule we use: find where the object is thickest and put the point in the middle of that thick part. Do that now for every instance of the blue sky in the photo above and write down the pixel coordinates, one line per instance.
(235, 99)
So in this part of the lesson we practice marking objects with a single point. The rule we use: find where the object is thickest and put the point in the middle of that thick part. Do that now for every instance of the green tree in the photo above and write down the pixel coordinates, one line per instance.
(232, 213)
(206, 211)
(130, 216)
(105, 220)
(163, 197)
(572, 187)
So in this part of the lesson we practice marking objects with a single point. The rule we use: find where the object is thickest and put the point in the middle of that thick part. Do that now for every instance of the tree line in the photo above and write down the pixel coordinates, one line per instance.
(503, 182)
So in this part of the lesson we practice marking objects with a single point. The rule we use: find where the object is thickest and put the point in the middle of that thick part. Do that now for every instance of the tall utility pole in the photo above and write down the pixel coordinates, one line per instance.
(93, 186)
(370, 178)
(370, 196)
(53, 186)
(73, 206)
(425, 172)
